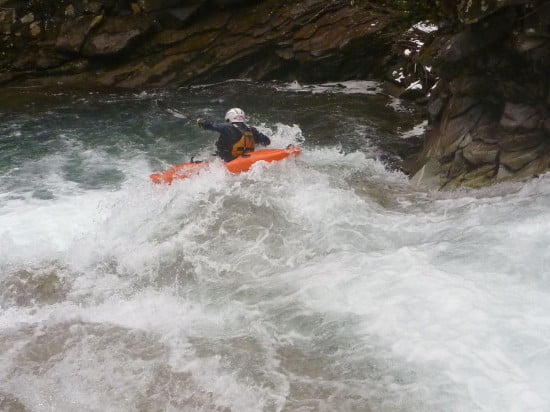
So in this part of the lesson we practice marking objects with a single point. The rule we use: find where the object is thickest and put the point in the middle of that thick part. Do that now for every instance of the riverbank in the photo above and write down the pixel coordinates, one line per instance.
(165, 43)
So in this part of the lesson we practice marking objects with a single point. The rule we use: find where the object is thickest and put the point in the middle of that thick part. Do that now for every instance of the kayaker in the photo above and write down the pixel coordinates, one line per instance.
(236, 137)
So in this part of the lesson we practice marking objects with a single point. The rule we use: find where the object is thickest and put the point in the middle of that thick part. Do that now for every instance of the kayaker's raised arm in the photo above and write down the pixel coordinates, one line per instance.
(236, 137)
(210, 125)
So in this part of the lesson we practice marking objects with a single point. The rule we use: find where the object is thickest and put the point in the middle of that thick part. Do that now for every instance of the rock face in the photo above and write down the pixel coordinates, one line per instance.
(489, 112)
(173, 42)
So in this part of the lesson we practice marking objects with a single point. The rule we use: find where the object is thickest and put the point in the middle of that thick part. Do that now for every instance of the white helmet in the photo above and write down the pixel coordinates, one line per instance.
(235, 115)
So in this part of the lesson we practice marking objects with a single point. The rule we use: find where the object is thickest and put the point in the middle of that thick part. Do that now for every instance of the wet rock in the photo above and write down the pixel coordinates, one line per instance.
(476, 178)
(35, 29)
(515, 142)
(478, 153)
(517, 160)
(48, 59)
(8, 77)
(117, 7)
(494, 89)
(513, 91)
(459, 166)
(525, 42)
(504, 173)
(93, 7)
(429, 175)
(305, 40)
(24, 62)
(230, 3)
(74, 67)
(537, 166)
(454, 48)
(520, 116)
(27, 18)
(182, 14)
(175, 18)
(333, 31)
(165, 38)
(153, 5)
(7, 20)
(115, 35)
(488, 134)
(532, 169)
(457, 124)
(70, 11)
(73, 33)
(469, 85)
(461, 104)
(472, 11)
(435, 108)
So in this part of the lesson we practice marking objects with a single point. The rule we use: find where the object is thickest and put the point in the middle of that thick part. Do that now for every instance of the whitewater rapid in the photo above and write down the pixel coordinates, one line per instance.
(323, 282)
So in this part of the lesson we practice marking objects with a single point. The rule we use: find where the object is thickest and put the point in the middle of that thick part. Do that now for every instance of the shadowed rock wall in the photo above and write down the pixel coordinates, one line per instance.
(172, 42)
(490, 110)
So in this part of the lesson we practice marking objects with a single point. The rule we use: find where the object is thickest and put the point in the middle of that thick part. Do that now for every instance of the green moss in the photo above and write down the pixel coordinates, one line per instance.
(475, 179)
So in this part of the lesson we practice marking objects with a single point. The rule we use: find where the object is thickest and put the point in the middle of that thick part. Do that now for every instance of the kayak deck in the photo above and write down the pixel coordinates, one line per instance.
(240, 164)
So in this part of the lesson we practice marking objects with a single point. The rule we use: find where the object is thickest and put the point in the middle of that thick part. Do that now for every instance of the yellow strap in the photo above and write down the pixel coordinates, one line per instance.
(245, 144)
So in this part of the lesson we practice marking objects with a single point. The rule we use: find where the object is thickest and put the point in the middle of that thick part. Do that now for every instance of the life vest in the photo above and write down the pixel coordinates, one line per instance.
(245, 144)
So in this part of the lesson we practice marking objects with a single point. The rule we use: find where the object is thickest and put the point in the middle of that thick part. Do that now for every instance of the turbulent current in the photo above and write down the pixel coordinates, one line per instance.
(325, 282)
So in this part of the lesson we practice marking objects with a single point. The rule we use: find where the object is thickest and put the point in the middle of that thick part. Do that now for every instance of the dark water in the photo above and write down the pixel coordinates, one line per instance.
(321, 283)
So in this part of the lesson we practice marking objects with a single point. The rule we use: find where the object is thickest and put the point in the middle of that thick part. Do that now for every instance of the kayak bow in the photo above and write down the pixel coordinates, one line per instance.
(242, 163)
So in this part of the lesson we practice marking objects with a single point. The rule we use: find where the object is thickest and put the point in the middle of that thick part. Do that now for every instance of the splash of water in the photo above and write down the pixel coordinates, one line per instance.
(324, 282)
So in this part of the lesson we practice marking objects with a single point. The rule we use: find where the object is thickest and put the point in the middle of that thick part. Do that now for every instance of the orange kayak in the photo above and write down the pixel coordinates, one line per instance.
(238, 165)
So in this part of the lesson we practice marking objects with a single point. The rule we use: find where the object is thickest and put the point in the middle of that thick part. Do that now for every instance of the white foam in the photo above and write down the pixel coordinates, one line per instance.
(323, 276)
(347, 87)
(426, 27)
(397, 104)
(416, 131)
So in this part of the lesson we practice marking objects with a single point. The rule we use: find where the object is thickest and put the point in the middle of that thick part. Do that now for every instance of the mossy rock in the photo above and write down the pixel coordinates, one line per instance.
(477, 178)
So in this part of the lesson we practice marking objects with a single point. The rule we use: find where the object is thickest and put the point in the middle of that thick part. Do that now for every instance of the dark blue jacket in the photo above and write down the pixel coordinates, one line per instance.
(230, 135)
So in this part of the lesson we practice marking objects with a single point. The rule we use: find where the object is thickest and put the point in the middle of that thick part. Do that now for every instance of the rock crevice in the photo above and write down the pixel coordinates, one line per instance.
(152, 43)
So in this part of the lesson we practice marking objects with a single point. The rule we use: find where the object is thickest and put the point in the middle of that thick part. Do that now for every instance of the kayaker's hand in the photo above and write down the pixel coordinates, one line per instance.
(201, 122)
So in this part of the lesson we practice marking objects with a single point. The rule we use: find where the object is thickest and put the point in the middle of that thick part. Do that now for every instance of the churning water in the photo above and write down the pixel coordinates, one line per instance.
(321, 283)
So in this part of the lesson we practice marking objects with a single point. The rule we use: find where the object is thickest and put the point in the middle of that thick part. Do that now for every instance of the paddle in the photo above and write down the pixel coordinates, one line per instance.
(176, 113)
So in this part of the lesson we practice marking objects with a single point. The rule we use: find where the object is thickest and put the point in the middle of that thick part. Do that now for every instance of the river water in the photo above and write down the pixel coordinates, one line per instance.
(321, 283)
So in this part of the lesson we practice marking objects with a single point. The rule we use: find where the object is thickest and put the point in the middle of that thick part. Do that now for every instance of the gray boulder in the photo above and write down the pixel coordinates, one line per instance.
(73, 33)
(518, 116)
(116, 35)
(7, 20)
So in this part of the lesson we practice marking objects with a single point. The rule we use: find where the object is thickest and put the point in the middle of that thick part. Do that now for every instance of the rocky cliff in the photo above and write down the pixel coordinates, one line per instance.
(489, 110)
(482, 78)
(173, 42)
